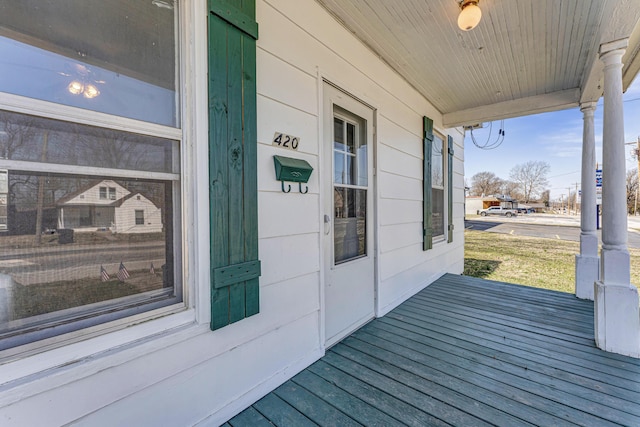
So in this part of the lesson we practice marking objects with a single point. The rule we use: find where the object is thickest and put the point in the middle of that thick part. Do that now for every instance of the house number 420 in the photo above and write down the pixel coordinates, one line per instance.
(286, 141)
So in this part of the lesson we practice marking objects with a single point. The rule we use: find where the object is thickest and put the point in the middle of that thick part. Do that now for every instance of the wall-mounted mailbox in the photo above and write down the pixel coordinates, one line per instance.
(292, 170)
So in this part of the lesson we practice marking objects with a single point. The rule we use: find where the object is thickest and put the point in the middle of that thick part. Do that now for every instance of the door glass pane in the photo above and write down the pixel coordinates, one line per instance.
(338, 134)
(350, 152)
(349, 230)
(348, 176)
(351, 138)
(338, 167)
(362, 170)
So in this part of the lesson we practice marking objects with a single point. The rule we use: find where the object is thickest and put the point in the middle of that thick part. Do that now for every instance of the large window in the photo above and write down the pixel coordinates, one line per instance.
(77, 181)
(437, 187)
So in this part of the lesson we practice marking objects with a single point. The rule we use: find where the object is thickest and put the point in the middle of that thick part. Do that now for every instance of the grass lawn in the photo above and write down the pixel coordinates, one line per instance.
(531, 261)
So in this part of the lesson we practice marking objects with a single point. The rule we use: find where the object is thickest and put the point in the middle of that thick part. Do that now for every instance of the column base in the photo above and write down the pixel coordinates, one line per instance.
(617, 319)
(587, 273)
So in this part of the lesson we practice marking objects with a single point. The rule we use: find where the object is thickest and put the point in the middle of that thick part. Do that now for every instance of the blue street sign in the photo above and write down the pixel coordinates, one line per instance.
(598, 177)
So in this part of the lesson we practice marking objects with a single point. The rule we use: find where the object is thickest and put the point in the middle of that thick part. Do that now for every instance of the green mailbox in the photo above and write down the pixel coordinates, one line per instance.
(292, 170)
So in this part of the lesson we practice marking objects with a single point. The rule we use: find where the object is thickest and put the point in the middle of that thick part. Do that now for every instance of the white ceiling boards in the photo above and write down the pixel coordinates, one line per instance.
(524, 57)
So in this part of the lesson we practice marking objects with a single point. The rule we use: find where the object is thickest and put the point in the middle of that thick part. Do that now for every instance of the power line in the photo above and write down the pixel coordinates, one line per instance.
(563, 174)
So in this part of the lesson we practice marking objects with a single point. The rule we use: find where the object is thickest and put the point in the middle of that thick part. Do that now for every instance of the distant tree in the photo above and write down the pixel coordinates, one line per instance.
(545, 197)
(511, 189)
(632, 190)
(531, 178)
(485, 183)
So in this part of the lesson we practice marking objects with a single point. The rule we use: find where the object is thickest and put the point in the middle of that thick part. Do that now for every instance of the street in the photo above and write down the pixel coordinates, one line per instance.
(70, 262)
(539, 225)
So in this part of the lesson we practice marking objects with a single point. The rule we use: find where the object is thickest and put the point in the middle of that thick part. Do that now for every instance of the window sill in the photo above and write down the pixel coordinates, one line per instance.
(100, 344)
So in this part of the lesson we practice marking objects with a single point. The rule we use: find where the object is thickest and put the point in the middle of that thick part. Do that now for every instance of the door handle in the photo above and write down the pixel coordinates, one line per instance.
(327, 221)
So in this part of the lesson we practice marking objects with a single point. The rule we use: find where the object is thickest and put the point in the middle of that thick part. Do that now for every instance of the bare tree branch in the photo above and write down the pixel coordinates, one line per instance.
(485, 183)
(531, 178)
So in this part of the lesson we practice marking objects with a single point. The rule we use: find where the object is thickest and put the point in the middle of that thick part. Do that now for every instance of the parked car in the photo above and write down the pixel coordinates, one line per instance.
(498, 210)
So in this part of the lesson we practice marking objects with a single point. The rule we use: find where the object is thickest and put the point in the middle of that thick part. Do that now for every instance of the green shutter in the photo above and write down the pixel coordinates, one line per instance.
(233, 192)
(450, 188)
(427, 242)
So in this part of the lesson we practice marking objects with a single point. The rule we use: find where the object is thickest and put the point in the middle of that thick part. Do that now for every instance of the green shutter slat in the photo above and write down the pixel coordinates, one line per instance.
(252, 301)
(232, 274)
(450, 188)
(236, 15)
(218, 163)
(427, 240)
(232, 167)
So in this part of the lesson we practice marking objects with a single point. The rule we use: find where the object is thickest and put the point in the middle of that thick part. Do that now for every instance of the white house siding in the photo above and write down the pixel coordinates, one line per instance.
(92, 195)
(125, 217)
(473, 205)
(188, 375)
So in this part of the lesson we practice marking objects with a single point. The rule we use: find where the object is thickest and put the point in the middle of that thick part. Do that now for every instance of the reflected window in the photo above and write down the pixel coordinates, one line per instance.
(139, 216)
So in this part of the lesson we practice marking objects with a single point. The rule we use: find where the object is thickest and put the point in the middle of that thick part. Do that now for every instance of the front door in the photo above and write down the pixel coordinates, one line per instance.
(348, 219)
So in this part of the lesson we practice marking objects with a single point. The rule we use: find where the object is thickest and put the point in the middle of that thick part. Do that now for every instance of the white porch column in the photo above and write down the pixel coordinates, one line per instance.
(588, 262)
(617, 317)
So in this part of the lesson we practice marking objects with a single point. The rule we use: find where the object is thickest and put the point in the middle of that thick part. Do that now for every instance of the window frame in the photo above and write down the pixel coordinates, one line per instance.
(130, 328)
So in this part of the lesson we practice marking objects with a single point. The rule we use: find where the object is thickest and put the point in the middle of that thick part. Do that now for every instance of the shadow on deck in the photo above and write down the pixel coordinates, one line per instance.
(464, 352)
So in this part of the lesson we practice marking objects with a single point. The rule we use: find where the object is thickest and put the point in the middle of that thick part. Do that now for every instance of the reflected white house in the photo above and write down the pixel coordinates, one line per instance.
(108, 205)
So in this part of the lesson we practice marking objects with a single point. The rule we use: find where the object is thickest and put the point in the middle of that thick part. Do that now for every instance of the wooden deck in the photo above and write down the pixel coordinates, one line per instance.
(464, 352)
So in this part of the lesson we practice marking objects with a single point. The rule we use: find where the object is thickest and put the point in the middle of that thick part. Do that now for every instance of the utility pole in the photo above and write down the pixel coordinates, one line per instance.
(636, 154)
(575, 202)
(568, 200)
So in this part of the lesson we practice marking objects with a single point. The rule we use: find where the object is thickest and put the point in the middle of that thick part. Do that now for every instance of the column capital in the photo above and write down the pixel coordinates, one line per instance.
(614, 45)
(587, 107)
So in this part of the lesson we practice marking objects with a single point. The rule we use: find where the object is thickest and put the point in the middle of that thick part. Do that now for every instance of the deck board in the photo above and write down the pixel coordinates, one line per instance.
(464, 351)
(542, 345)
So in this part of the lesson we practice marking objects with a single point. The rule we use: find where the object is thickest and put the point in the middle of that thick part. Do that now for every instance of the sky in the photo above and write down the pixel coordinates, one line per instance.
(555, 138)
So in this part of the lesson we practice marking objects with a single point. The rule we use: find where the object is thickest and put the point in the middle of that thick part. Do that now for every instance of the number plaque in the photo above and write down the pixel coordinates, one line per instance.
(286, 141)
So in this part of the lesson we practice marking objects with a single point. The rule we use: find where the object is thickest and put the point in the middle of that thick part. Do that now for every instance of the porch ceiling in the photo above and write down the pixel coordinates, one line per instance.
(525, 56)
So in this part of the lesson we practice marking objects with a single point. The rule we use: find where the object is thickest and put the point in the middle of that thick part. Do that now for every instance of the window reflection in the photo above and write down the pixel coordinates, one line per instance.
(121, 64)
(65, 247)
(350, 153)
(37, 139)
(437, 186)
(350, 224)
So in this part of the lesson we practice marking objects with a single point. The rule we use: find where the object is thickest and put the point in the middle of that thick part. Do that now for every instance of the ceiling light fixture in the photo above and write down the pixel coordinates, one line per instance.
(470, 14)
